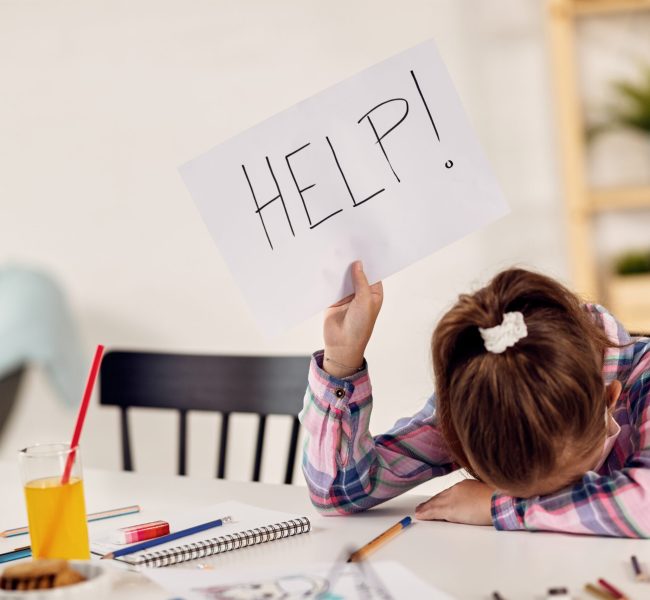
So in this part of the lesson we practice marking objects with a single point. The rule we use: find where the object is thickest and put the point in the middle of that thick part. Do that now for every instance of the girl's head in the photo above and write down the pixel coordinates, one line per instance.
(531, 419)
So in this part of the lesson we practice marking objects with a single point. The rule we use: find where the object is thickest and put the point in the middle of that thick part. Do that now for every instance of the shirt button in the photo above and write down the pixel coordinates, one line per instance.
(340, 393)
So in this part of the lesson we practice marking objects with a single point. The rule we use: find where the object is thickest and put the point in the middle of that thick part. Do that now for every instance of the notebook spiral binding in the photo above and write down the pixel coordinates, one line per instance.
(218, 545)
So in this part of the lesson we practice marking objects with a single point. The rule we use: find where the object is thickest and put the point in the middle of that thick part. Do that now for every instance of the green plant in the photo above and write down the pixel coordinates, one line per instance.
(633, 109)
(633, 263)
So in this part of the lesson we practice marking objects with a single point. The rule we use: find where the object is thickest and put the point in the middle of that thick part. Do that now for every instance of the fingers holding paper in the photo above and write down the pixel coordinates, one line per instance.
(349, 323)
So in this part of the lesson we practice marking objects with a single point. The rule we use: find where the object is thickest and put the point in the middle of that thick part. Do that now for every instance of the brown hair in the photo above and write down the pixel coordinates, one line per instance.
(516, 412)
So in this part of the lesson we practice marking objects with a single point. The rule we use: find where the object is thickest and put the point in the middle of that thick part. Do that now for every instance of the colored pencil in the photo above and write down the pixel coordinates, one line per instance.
(167, 538)
(611, 589)
(380, 540)
(596, 591)
(81, 415)
(98, 516)
(16, 554)
(638, 571)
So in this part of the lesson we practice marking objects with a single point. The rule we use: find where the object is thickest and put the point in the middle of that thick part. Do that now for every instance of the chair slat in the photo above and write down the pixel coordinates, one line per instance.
(223, 445)
(127, 462)
(182, 442)
(261, 429)
(293, 445)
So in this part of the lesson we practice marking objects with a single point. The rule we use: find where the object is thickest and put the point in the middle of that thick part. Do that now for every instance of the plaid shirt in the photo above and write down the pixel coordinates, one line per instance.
(348, 470)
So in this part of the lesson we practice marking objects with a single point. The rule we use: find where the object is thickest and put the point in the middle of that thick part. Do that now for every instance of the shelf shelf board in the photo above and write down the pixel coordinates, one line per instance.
(628, 297)
(620, 198)
(594, 7)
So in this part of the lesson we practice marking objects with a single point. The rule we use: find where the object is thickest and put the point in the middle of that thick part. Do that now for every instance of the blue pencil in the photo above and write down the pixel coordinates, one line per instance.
(167, 538)
(23, 552)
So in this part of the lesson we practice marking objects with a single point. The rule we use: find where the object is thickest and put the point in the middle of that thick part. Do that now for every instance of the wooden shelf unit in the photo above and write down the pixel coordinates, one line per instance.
(595, 7)
(583, 202)
(623, 198)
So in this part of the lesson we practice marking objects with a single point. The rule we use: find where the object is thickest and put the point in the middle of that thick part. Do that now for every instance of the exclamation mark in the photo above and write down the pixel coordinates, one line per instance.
(449, 164)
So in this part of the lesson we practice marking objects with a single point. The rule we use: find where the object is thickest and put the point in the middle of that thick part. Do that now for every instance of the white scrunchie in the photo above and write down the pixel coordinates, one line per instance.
(500, 337)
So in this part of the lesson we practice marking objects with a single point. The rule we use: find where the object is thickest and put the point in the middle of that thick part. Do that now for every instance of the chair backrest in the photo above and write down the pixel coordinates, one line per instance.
(9, 385)
(264, 385)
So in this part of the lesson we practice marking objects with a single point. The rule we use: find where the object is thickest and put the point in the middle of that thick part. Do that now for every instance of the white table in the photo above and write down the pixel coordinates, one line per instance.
(468, 562)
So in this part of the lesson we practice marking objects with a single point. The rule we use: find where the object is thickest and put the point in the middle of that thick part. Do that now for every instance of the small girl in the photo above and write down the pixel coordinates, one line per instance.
(544, 400)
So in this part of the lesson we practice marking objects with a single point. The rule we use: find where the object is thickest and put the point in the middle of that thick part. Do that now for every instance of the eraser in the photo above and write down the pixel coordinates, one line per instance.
(139, 533)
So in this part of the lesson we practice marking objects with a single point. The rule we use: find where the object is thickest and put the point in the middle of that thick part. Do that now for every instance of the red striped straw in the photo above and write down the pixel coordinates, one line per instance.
(81, 416)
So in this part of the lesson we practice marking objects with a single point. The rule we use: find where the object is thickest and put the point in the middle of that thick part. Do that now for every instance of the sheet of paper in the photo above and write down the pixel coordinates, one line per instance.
(375, 581)
(382, 167)
(244, 517)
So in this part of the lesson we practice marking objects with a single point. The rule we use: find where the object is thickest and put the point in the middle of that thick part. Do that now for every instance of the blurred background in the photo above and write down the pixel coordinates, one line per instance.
(100, 241)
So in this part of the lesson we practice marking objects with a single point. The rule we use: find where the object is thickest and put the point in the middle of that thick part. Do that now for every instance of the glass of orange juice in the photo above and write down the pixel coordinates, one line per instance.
(56, 512)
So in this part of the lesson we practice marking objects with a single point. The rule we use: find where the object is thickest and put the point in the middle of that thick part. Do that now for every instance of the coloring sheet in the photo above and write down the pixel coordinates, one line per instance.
(349, 581)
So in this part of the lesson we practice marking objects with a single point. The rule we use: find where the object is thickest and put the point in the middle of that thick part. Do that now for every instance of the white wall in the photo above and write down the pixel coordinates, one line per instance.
(103, 99)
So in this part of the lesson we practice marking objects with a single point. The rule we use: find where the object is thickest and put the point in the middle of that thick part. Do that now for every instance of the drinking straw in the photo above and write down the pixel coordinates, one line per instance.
(81, 416)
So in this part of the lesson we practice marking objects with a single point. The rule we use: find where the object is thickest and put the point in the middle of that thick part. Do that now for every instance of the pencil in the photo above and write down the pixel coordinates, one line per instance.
(98, 516)
(638, 571)
(23, 552)
(596, 591)
(611, 589)
(167, 538)
(380, 540)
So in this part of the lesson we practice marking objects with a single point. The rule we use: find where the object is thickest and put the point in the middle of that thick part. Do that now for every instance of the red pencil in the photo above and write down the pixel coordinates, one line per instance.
(612, 590)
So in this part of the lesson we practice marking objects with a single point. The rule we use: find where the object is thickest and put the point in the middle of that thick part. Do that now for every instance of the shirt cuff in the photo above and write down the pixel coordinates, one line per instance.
(508, 512)
(336, 393)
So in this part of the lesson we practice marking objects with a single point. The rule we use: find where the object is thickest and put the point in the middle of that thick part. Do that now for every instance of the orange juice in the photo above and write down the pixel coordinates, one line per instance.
(57, 518)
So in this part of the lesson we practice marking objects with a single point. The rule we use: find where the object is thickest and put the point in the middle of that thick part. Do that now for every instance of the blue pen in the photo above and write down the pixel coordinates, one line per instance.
(167, 538)
(23, 552)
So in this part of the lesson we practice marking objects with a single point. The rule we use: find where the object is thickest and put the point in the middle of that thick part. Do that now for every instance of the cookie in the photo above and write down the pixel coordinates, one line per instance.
(39, 574)
(68, 577)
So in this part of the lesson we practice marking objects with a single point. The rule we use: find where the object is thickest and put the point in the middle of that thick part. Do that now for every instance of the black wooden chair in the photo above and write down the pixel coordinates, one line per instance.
(273, 385)
(9, 386)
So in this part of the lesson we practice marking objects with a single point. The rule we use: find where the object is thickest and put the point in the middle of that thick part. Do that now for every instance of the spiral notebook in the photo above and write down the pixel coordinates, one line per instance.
(250, 526)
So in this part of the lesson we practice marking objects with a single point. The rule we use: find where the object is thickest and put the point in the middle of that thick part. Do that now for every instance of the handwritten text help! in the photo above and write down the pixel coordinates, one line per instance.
(382, 167)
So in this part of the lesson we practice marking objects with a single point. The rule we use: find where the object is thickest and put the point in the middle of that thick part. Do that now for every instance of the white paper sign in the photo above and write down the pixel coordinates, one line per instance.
(383, 167)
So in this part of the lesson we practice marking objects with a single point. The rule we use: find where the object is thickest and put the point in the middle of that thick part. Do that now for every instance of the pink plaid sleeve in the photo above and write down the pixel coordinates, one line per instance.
(346, 468)
(616, 503)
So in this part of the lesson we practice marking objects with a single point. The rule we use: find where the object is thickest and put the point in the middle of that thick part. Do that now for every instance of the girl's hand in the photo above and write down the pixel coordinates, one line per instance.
(348, 325)
(468, 502)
